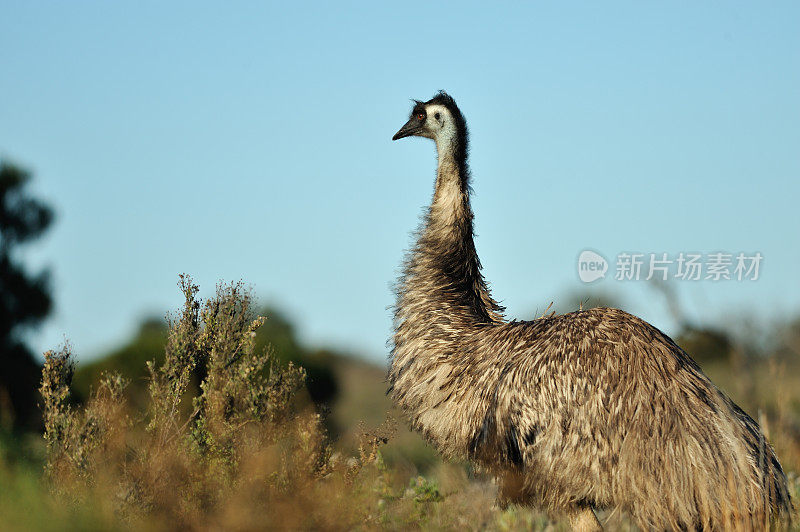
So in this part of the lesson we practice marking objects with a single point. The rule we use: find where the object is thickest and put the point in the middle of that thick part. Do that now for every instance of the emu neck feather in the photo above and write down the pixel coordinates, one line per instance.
(450, 206)
(445, 269)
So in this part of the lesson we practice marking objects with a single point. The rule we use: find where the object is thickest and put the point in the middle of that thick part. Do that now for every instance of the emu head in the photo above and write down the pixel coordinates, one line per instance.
(439, 119)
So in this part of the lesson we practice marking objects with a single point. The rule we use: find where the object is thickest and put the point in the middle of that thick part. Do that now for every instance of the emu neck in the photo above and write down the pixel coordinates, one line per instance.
(450, 209)
(445, 271)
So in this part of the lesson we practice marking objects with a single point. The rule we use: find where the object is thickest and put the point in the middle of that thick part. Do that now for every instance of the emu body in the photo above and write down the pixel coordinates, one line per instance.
(591, 409)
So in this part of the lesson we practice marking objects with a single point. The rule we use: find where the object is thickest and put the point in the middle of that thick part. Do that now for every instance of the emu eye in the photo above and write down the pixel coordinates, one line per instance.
(421, 116)
(436, 116)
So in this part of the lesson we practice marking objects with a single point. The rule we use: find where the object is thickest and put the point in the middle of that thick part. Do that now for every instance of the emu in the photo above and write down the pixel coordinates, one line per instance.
(594, 409)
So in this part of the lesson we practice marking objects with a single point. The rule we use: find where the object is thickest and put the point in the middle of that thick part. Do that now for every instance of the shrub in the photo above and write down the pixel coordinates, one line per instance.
(240, 440)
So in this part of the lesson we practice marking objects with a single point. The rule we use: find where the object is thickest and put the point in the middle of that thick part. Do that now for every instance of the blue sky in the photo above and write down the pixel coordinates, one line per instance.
(252, 141)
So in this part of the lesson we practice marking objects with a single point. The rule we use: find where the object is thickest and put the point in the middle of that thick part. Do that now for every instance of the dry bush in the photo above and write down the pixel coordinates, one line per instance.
(238, 446)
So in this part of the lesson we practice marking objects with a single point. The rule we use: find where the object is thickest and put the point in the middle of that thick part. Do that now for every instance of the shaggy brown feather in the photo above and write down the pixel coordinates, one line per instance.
(591, 409)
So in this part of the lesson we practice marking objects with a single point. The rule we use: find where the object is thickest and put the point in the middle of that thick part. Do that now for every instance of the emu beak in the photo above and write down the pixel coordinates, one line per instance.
(412, 127)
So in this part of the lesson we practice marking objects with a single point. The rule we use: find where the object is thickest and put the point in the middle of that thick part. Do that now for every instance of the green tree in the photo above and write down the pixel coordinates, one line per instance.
(24, 297)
